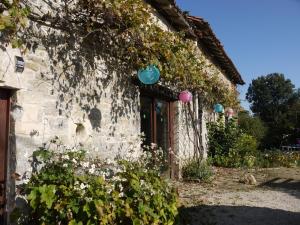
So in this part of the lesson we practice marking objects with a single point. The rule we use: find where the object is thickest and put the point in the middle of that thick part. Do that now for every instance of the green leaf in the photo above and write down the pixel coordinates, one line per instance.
(33, 198)
(48, 194)
(86, 208)
(136, 221)
(135, 185)
(73, 222)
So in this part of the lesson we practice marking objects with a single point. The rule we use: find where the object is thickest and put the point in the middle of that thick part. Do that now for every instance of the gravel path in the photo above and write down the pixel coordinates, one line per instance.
(275, 200)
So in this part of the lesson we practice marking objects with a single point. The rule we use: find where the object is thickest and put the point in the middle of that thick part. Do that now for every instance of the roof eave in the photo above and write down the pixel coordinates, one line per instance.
(198, 29)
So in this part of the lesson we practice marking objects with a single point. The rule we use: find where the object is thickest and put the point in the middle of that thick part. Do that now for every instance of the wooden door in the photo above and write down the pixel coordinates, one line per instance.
(4, 124)
(157, 124)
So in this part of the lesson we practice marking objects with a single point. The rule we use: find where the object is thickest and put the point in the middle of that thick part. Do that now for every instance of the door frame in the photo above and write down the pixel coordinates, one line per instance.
(171, 131)
(7, 94)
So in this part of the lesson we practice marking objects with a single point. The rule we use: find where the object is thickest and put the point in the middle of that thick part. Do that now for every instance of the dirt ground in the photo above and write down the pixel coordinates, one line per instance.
(274, 200)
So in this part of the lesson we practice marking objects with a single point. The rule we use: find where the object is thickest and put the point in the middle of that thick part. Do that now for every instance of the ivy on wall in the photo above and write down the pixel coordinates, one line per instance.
(138, 41)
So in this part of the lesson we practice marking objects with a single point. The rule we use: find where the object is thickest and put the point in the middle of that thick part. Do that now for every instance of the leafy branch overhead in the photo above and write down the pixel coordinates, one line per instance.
(13, 19)
(133, 37)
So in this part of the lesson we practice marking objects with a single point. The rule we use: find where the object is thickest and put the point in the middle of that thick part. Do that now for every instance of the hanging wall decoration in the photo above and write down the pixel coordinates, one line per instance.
(185, 96)
(218, 108)
(230, 112)
(150, 75)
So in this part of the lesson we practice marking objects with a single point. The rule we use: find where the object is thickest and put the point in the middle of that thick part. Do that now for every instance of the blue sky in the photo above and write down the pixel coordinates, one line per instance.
(260, 36)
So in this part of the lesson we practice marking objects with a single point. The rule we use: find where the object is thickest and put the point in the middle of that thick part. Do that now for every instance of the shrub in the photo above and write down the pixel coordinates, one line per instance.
(193, 169)
(229, 147)
(277, 158)
(243, 152)
(222, 136)
(69, 189)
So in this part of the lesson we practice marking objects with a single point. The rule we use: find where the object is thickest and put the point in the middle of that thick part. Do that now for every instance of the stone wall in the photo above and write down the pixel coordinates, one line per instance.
(99, 111)
(187, 142)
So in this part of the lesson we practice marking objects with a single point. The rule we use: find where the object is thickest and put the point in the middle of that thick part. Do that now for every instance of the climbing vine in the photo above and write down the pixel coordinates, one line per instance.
(13, 19)
(135, 38)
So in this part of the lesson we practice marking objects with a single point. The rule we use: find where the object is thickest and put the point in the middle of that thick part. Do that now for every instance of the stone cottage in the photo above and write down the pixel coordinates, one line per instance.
(57, 96)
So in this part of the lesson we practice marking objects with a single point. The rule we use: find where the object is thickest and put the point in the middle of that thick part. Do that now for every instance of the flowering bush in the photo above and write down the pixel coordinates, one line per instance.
(67, 188)
(277, 158)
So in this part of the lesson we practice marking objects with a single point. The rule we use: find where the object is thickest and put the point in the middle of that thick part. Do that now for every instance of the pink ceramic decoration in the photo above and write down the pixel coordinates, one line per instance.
(185, 96)
(230, 112)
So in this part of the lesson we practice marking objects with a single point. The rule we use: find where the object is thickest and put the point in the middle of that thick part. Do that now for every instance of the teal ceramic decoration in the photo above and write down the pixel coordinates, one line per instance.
(218, 108)
(150, 75)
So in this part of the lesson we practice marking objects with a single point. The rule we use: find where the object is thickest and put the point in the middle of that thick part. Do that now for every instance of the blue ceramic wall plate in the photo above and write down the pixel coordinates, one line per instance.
(150, 75)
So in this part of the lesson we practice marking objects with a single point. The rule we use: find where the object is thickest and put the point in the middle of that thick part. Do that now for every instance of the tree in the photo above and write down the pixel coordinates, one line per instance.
(252, 125)
(272, 98)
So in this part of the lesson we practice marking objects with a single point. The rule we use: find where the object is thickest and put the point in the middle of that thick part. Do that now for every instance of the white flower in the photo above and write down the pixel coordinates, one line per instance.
(92, 169)
(65, 165)
(153, 145)
(74, 160)
(65, 157)
(121, 194)
(73, 150)
(83, 186)
(108, 161)
(118, 170)
(86, 164)
(121, 187)
(26, 180)
(88, 199)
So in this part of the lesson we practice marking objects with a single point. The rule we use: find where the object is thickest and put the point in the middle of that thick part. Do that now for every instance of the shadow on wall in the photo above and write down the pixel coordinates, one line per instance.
(82, 71)
(237, 215)
(289, 186)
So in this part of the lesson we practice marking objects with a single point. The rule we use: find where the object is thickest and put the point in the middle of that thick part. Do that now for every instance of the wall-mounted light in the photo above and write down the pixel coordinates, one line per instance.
(20, 64)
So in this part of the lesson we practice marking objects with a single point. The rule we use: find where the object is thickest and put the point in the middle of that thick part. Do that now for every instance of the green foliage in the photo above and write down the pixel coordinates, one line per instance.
(13, 19)
(193, 169)
(277, 158)
(269, 95)
(229, 147)
(142, 42)
(69, 189)
(252, 125)
(135, 40)
(243, 152)
(222, 136)
(274, 99)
